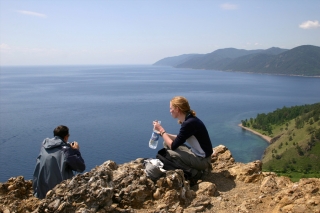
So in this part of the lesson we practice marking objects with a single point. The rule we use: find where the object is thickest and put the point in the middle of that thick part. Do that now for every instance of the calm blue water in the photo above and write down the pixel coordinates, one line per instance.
(110, 109)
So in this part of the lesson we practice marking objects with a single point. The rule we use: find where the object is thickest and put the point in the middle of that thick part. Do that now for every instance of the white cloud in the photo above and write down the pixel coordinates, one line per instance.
(30, 13)
(4, 46)
(228, 6)
(119, 51)
(250, 44)
(310, 24)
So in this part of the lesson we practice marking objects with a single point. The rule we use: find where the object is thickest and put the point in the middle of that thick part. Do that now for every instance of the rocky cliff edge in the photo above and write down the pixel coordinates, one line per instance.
(229, 187)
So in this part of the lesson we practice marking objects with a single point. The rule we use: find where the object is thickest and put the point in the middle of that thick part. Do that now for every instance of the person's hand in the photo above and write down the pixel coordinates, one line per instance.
(75, 145)
(157, 126)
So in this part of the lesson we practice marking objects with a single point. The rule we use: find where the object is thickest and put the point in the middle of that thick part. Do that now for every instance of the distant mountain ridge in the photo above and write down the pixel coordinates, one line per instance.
(176, 60)
(302, 60)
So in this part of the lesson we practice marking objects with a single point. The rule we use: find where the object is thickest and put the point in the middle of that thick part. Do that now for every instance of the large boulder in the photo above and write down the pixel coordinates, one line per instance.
(16, 195)
(250, 172)
(88, 192)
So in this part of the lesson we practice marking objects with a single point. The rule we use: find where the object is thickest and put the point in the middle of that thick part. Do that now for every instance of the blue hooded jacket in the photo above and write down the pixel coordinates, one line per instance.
(55, 163)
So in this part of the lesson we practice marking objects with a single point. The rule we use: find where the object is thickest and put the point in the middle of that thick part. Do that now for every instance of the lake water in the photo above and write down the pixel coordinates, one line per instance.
(110, 109)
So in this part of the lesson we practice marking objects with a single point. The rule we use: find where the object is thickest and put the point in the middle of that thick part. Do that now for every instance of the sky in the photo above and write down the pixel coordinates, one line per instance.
(112, 32)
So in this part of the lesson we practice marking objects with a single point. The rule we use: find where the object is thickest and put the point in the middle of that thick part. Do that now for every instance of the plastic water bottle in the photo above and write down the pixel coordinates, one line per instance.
(153, 143)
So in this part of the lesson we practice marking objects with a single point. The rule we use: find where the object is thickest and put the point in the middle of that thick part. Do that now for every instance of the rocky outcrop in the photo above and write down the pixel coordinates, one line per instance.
(229, 187)
(274, 139)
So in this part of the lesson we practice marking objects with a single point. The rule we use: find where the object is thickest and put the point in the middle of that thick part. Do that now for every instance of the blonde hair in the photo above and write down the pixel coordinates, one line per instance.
(183, 105)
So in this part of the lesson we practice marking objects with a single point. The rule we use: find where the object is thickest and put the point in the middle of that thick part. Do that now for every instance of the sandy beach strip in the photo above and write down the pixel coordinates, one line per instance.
(267, 138)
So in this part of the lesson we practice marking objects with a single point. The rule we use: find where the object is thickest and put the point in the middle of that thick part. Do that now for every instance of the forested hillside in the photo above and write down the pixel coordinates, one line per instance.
(295, 146)
(302, 60)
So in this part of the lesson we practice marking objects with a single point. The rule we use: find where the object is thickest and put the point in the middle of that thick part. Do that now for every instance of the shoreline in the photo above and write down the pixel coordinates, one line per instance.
(267, 138)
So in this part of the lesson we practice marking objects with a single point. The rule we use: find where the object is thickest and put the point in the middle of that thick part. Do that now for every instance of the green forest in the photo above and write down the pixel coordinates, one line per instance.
(294, 150)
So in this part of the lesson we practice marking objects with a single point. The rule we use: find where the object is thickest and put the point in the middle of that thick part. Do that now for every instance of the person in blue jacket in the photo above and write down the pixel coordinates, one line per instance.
(56, 162)
(194, 132)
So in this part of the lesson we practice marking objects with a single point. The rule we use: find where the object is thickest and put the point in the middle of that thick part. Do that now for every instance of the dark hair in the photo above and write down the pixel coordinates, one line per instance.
(61, 131)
